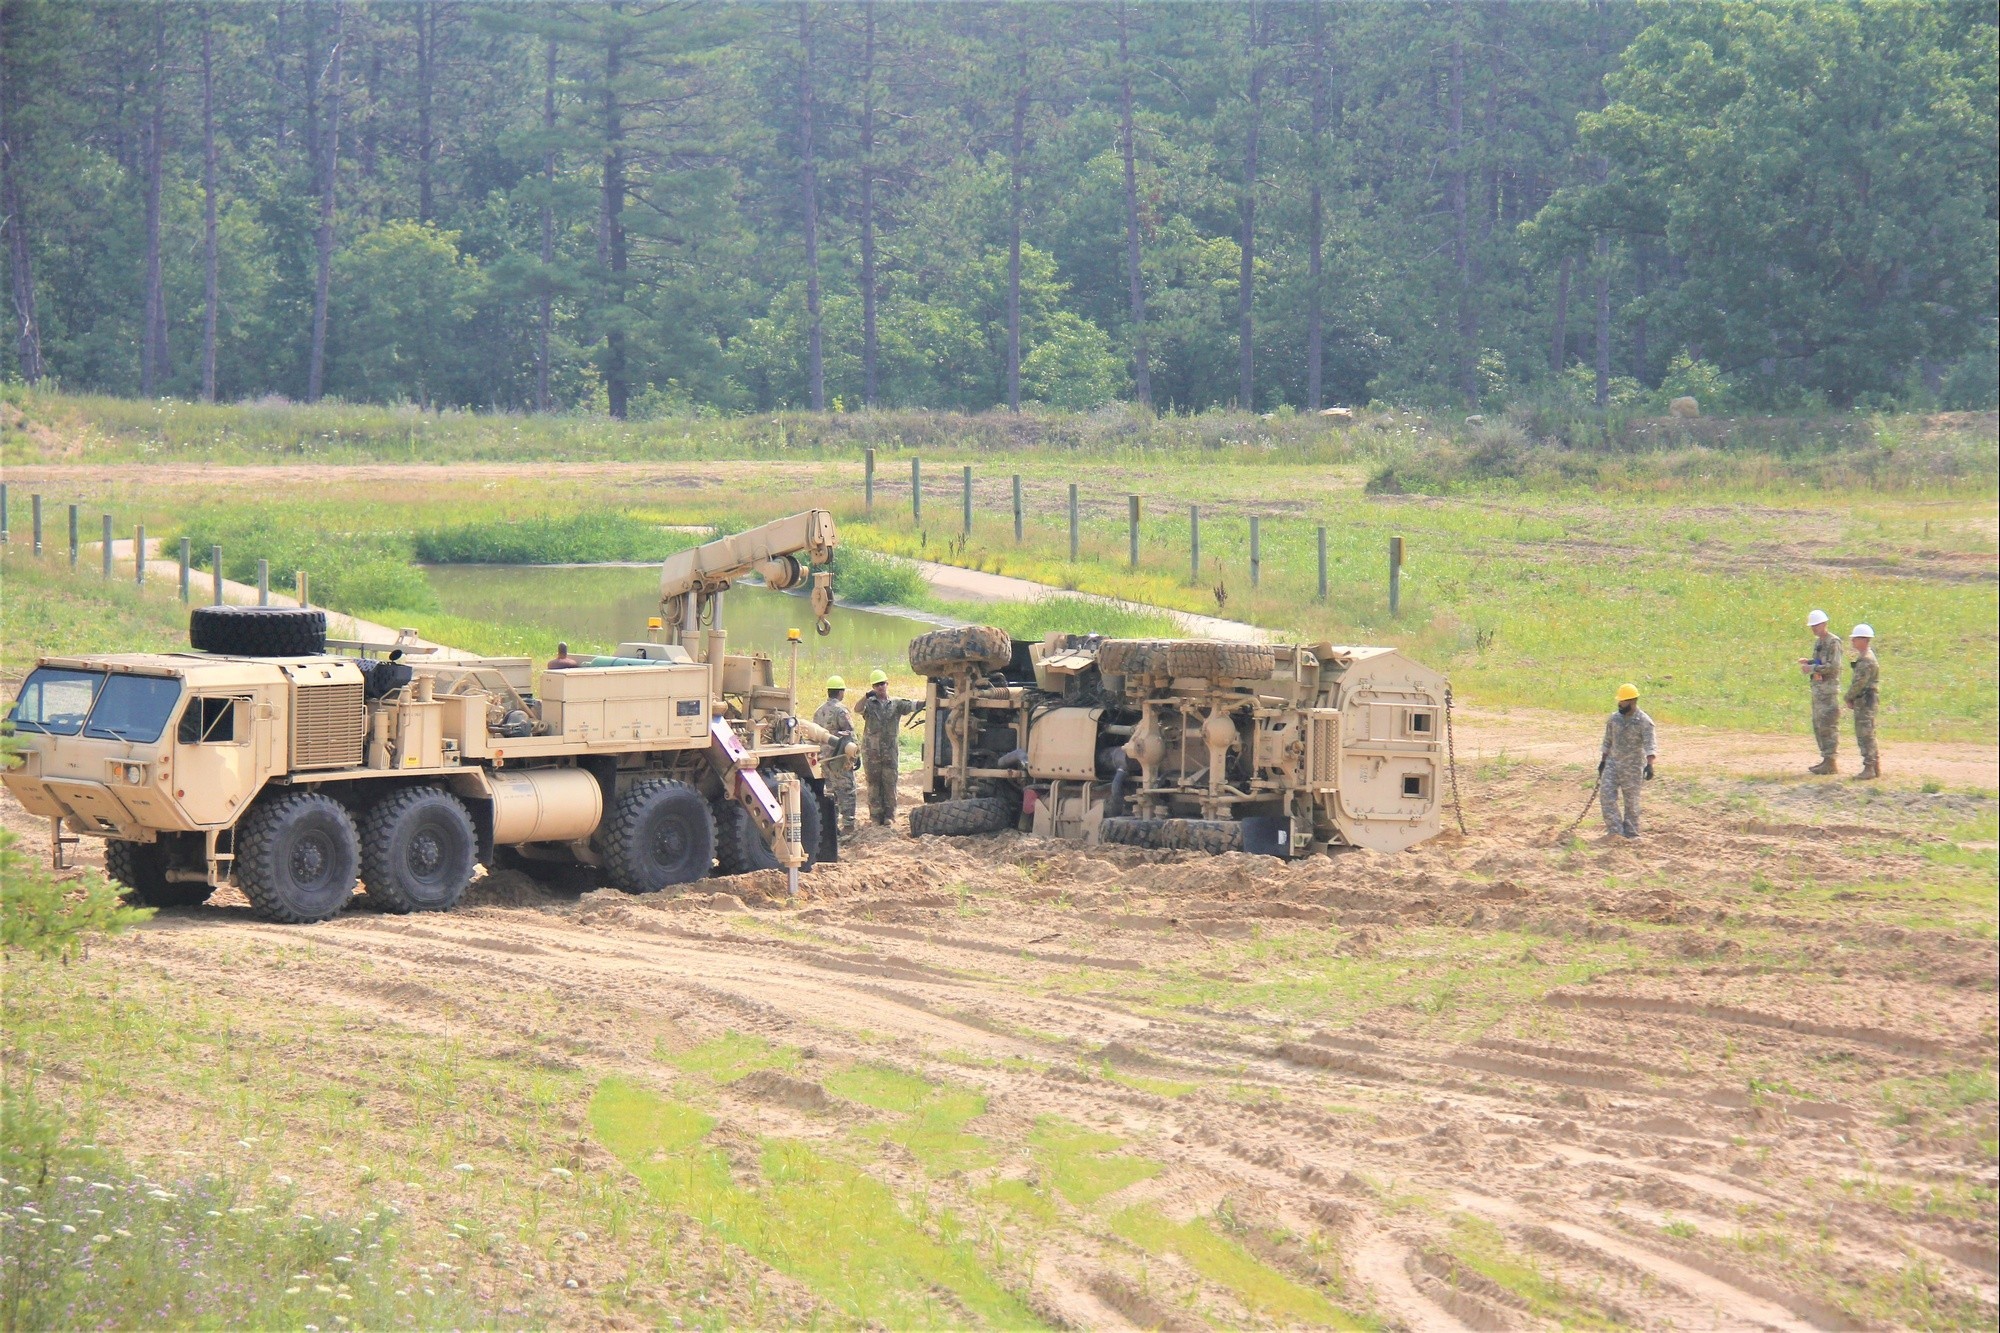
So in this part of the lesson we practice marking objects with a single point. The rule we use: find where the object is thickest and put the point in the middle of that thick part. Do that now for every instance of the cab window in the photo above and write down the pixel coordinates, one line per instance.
(55, 700)
(208, 722)
(133, 708)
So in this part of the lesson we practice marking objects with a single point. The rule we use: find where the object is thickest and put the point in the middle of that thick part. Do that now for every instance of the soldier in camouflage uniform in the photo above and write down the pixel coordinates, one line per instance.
(835, 718)
(1823, 670)
(1626, 764)
(1862, 700)
(880, 717)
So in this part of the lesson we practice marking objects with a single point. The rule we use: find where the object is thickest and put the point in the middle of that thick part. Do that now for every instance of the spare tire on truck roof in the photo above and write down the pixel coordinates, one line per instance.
(944, 651)
(1219, 659)
(257, 631)
(1131, 657)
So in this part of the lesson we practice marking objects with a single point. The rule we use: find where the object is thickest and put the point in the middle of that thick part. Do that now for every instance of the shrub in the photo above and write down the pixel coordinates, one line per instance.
(868, 579)
(49, 918)
(587, 538)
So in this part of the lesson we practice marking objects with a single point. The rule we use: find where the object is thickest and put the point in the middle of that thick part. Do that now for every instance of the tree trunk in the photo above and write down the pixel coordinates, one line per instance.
(1559, 343)
(611, 229)
(1461, 247)
(1246, 327)
(1640, 285)
(1142, 371)
(1603, 321)
(309, 74)
(426, 67)
(809, 208)
(869, 373)
(1016, 151)
(21, 271)
(329, 160)
(545, 329)
(1316, 220)
(153, 334)
(210, 253)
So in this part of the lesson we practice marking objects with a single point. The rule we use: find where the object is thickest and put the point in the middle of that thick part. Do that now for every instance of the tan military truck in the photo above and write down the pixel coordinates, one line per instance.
(263, 759)
(1180, 743)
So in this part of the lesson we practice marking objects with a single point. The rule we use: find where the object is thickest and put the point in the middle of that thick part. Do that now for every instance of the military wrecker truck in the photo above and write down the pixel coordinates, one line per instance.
(1179, 743)
(261, 758)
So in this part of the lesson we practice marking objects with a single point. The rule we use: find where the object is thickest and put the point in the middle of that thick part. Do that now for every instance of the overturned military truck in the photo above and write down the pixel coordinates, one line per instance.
(1196, 744)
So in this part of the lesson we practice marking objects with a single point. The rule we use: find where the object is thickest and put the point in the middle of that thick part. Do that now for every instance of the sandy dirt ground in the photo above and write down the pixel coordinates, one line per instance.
(1658, 1074)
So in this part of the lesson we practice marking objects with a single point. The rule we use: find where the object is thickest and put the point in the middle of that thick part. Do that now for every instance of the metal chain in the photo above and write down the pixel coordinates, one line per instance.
(1582, 815)
(1451, 753)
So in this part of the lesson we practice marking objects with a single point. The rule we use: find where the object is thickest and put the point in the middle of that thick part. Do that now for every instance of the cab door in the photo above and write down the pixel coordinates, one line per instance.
(214, 770)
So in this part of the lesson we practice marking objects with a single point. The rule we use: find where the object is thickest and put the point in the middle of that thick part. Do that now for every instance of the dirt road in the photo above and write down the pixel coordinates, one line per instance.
(1698, 1082)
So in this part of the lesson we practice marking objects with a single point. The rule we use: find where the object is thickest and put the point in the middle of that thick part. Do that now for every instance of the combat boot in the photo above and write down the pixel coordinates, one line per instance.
(1824, 767)
(1869, 772)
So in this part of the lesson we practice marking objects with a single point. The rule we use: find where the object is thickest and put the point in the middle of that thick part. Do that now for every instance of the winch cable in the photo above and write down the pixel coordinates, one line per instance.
(1451, 755)
(1589, 800)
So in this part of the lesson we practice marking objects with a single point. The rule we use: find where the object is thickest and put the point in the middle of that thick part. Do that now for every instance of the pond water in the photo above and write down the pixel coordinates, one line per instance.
(598, 607)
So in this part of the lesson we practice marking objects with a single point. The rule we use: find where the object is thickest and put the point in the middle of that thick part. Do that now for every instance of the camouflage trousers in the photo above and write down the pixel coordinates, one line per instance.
(881, 792)
(1613, 786)
(840, 787)
(1826, 721)
(1864, 733)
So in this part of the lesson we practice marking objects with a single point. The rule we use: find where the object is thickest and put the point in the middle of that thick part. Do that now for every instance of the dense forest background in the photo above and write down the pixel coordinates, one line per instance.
(648, 208)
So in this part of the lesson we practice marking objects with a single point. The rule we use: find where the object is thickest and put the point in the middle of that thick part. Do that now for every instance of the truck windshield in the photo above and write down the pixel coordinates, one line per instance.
(133, 708)
(61, 702)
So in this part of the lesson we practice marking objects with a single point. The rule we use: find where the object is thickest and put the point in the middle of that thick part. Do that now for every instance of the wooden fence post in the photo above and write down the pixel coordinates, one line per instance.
(35, 502)
(868, 482)
(1017, 509)
(1132, 530)
(1395, 576)
(1256, 551)
(300, 589)
(187, 566)
(139, 555)
(74, 544)
(263, 582)
(5, 535)
(107, 546)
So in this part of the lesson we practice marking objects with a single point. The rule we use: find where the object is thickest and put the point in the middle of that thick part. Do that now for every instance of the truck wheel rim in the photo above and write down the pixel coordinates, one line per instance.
(426, 855)
(309, 858)
(670, 842)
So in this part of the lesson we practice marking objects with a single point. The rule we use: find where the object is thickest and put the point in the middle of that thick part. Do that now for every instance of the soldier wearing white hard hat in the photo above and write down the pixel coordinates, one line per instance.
(1822, 670)
(1862, 698)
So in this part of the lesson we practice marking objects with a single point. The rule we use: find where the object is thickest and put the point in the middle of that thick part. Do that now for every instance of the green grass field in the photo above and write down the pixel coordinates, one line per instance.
(1541, 581)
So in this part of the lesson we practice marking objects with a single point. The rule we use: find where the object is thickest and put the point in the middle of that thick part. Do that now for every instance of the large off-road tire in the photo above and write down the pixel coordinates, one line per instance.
(418, 850)
(1131, 831)
(142, 868)
(257, 631)
(1219, 660)
(661, 833)
(944, 651)
(1131, 657)
(739, 844)
(1213, 836)
(963, 819)
(297, 856)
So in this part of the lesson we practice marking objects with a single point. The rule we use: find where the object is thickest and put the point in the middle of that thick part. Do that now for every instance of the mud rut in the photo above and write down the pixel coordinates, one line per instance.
(1579, 1121)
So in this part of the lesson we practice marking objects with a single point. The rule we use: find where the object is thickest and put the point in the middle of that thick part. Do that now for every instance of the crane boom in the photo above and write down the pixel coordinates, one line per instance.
(780, 551)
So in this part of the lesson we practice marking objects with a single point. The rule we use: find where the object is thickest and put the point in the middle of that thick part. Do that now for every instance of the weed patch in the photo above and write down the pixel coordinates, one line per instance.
(1261, 1288)
(822, 1221)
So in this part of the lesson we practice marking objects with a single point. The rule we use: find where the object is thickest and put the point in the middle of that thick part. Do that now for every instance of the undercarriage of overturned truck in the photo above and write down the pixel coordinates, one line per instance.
(1191, 744)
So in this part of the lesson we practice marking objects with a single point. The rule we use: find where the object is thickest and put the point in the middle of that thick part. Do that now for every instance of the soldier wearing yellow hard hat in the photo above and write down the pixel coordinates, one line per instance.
(839, 753)
(880, 716)
(1625, 765)
(1862, 698)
